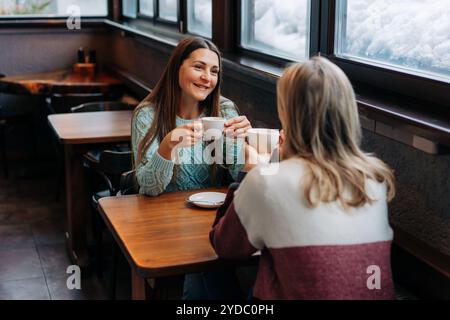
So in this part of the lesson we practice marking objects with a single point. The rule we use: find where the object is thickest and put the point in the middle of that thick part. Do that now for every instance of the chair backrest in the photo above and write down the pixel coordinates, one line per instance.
(103, 106)
(128, 183)
(115, 162)
(62, 103)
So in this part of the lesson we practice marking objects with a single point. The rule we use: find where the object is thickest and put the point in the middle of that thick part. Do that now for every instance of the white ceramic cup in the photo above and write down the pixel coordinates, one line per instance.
(263, 140)
(212, 128)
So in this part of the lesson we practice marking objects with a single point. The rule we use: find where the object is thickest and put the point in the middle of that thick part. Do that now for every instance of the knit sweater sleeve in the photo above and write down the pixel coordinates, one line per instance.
(228, 237)
(238, 230)
(153, 172)
(234, 148)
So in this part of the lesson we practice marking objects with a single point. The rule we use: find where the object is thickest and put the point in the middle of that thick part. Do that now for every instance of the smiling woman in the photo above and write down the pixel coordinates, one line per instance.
(199, 75)
(189, 89)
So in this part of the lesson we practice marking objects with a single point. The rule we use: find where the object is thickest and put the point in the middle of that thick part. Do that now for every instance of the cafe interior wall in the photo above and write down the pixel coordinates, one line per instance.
(34, 50)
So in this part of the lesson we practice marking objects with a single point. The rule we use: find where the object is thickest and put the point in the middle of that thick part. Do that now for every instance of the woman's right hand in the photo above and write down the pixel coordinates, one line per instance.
(181, 137)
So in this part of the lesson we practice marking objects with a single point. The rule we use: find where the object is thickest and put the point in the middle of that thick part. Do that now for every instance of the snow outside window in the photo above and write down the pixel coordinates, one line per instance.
(276, 27)
(52, 8)
(410, 35)
(146, 8)
(129, 8)
(168, 10)
(200, 17)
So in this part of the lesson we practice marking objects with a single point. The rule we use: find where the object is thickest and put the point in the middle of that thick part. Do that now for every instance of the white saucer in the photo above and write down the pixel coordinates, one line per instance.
(207, 199)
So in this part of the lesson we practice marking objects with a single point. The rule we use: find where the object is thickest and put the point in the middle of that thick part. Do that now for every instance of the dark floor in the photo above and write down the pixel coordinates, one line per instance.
(33, 258)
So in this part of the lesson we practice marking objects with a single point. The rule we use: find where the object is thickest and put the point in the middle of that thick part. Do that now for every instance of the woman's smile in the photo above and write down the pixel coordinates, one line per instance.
(199, 75)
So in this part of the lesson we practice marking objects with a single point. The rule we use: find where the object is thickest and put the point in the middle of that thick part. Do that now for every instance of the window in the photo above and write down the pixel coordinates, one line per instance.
(129, 8)
(146, 8)
(200, 17)
(276, 27)
(52, 8)
(413, 36)
(168, 10)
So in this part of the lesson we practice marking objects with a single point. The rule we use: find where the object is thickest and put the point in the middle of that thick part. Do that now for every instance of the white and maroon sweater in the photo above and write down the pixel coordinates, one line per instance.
(319, 253)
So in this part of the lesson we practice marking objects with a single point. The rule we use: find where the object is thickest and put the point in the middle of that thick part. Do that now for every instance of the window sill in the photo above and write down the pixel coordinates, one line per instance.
(403, 119)
(420, 124)
(147, 31)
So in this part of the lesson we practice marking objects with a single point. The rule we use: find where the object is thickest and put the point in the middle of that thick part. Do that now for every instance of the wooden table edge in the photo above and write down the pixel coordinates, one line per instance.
(146, 272)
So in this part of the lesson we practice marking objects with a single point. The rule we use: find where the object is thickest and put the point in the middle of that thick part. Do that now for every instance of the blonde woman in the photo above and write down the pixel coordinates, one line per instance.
(321, 222)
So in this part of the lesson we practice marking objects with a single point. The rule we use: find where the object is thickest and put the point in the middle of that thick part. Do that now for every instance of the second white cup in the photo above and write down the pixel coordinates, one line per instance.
(263, 140)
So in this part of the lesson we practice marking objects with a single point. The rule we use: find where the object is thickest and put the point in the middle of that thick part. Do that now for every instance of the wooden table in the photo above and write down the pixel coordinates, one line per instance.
(162, 236)
(62, 81)
(78, 132)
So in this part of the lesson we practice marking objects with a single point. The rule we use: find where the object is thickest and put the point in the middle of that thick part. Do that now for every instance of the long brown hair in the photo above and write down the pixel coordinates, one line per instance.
(165, 97)
(318, 110)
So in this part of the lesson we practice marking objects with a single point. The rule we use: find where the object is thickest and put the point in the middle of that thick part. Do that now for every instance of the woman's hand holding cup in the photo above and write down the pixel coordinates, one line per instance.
(237, 127)
(181, 137)
(261, 146)
(186, 135)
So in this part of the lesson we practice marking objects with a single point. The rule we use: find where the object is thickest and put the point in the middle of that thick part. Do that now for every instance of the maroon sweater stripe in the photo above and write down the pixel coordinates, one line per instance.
(325, 272)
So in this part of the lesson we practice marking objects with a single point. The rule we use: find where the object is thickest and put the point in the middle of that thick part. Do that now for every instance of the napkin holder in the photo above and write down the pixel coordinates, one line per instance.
(84, 69)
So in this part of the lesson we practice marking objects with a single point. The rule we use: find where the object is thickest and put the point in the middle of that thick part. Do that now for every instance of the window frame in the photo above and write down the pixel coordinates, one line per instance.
(410, 84)
(313, 41)
(226, 22)
(144, 16)
(185, 19)
(156, 19)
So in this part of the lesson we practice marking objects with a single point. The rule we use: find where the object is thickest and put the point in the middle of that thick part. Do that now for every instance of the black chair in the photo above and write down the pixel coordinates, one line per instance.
(93, 155)
(62, 103)
(80, 102)
(109, 169)
(103, 106)
(10, 117)
(128, 183)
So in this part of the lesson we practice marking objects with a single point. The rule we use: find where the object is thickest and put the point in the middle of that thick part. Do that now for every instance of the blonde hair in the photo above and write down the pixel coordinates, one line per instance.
(319, 114)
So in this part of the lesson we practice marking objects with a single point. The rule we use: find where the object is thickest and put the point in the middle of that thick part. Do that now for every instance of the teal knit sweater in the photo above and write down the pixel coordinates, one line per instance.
(154, 173)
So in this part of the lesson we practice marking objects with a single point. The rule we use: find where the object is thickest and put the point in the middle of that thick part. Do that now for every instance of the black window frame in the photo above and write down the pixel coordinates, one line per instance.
(160, 20)
(314, 27)
(408, 84)
(144, 16)
(185, 19)
(155, 21)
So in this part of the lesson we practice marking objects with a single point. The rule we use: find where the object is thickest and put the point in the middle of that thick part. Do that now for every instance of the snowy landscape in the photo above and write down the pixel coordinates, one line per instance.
(200, 17)
(283, 26)
(410, 33)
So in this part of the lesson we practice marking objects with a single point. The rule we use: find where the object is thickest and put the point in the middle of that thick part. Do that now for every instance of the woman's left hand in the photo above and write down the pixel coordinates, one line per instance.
(237, 127)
